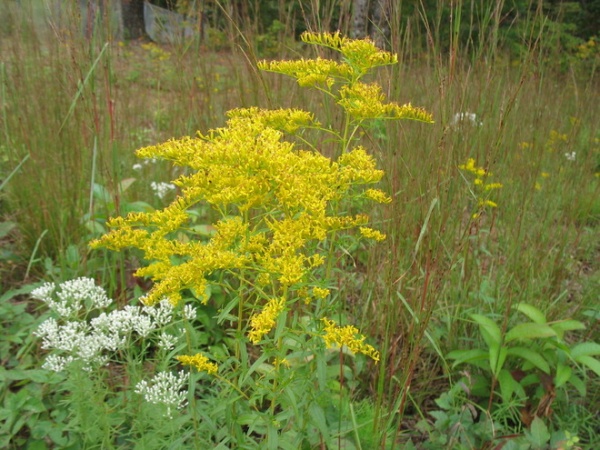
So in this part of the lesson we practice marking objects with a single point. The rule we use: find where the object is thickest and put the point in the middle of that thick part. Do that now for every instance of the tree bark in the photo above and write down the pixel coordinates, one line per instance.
(380, 29)
(133, 18)
(360, 19)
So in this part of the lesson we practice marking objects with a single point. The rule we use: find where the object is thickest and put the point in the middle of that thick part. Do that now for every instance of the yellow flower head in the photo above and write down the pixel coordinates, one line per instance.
(264, 322)
(348, 336)
(369, 233)
(320, 293)
(200, 362)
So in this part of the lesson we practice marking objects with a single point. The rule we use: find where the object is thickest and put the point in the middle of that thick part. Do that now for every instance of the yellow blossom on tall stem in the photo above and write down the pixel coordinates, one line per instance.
(264, 322)
(348, 336)
(200, 362)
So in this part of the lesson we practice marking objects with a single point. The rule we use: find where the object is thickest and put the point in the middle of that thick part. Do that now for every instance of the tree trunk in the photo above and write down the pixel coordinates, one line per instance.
(380, 30)
(360, 19)
(133, 18)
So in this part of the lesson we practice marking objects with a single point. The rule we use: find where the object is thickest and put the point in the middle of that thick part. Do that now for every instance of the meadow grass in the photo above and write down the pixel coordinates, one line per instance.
(77, 109)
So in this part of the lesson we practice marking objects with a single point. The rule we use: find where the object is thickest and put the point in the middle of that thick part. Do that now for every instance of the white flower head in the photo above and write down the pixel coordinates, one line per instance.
(162, 314)
(72, 297)
(165, 389)
(161, 189)
(571, 156)
(167, 341)
(189, 312)
(137, 166)
(57, 363)
(465, 118)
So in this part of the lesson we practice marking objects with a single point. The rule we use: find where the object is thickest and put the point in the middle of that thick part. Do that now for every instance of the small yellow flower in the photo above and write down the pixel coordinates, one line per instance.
(200, 362)
(378, 195)
(370, 233)
(264, 322)
(348, 336)
(320, 293)
(545, 174)
(490, 186)
(484, 203)
(281, 362)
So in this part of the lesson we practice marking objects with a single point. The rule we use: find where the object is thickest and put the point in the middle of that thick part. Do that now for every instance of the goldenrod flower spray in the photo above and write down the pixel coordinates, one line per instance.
(281, 211)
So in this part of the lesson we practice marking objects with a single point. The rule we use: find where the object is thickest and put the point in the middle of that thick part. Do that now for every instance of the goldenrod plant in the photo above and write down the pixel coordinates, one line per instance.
(281, 210)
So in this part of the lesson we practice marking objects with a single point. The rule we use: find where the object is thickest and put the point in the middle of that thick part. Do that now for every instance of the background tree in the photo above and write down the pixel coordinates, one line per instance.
(133, 18)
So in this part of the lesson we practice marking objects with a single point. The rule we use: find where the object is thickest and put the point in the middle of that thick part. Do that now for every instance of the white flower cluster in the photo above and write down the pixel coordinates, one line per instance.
(165, 389)
(145, 162)
(73, 339)
(465, 118)
(72, 297)
(572, 156)
(161, 189)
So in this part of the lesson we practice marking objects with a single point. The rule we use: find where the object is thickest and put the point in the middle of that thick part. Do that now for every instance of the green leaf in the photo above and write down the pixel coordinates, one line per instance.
(566, 325)
(508, 385)
(532, 356)
(578, 384)
(538, 434)
(317, 419)
(563, 374)
(6, 227)
(529, 330)
(591, 363)
(532, 312)
(497, 358)
(585, 349)
(466, 356)
(489, 330)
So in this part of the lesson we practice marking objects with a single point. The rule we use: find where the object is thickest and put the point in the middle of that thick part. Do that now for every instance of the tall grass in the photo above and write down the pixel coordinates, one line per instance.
(78, 108)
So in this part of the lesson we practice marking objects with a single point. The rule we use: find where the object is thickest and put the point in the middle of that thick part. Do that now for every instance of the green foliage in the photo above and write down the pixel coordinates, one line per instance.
(531, 364)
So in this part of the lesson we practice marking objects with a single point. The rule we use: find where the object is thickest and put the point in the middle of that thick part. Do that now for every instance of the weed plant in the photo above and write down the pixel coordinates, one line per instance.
(528, 126)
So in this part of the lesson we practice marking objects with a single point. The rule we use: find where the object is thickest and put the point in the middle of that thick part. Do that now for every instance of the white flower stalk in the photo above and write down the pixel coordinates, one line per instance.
(161, 189)
(165, 389)
(71, 337)
(72, 297)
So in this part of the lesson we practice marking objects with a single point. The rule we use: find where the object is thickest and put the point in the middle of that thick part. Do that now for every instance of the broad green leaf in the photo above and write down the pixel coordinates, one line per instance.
(532, 312)
(585, 349)
(538, 433)
(563, 373)
(317, 419)
(578, 384)
(529, 330)
(591, 363)
(566, 325)
(532, 356)
(489, 330)
(497, 359)
(508, 385)
(466, 356)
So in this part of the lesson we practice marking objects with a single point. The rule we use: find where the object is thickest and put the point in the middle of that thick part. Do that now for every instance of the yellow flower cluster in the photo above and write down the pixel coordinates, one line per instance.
(198, 361)
(245, 166)
(264, 322)
(361, 54)
(366, 101)
(378, 195)
(360, 100)
(370, 233)
(481, 186)
(348, 336)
